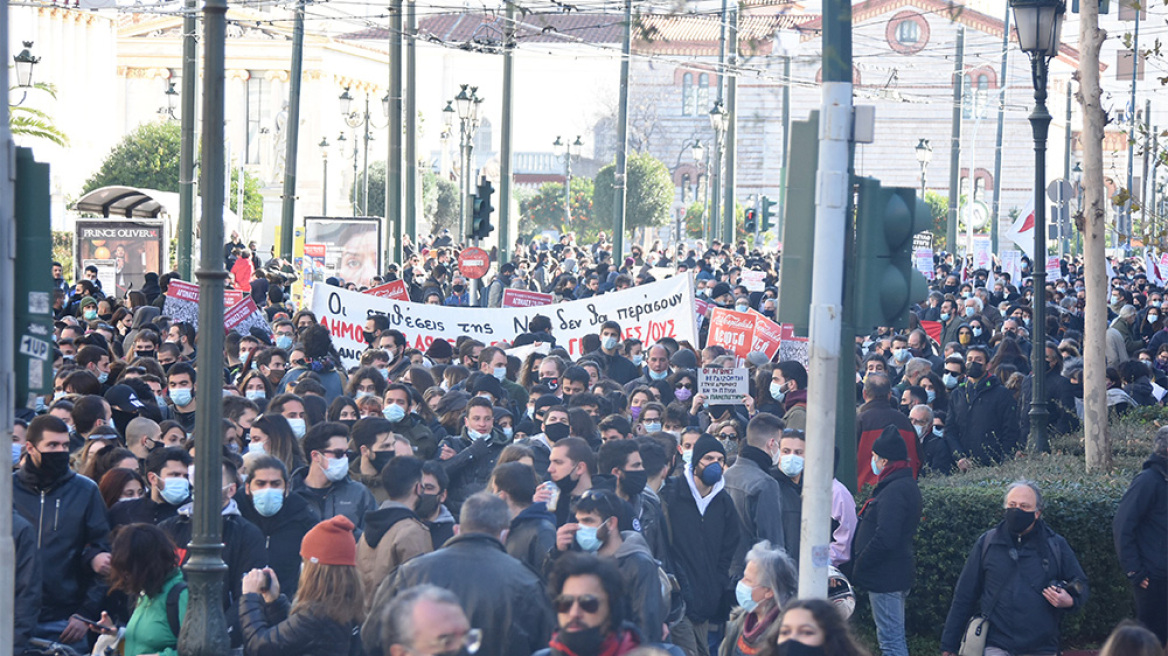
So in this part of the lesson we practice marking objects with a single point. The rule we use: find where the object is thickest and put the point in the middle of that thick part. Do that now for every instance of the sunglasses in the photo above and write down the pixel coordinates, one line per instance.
(687, 386)
(588, 603)
(336, 453)
(730, 435)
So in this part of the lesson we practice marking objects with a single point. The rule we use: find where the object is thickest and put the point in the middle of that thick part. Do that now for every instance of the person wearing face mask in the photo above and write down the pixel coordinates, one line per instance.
(539, 440)
(623, 471)
(814, 627)
(181, 390)
(325, 481)
(170, 488)
(1022, 576)
(788, 386)
(470, 456)
(755, 493)
(983, 421)
(612, 363)
(935, 452)
(656, 369)
(1060, 395)
(393, 533)
(596, 530)
(704, 536)
(398, 401)
(884, 564)
(283, 518)
(768, 584)
(532, 536)
(874, 416)
(69, 516)
(96, 360)
(375, 443)
(493, 362)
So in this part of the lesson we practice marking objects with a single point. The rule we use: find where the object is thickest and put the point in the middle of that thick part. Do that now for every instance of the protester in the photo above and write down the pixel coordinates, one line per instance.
(1141, 538)
(813, 627)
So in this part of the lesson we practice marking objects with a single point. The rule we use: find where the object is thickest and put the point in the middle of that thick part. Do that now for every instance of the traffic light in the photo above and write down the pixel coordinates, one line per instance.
(798, 230)
(751, 222)
(886, 282)
(768, 212)
(481, 215)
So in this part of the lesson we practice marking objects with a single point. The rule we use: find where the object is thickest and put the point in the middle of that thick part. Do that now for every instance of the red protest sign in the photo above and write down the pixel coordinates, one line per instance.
(768, 336)
(525, 298)
(244, 316)
(733, 331)
(183, 291)
(395, 290)
(232, 296)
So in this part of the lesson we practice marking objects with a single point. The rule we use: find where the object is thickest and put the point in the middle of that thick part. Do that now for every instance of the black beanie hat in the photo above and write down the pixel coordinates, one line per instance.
(890, 445)
(705, 444)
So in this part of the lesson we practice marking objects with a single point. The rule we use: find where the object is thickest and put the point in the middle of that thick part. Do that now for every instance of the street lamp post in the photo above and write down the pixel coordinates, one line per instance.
(718, 122)
(924, 156)
(466, 105)
(699, 157)
(1039, 23)
(324, 148)
(568, 151)
(23, 63)
(364, 120)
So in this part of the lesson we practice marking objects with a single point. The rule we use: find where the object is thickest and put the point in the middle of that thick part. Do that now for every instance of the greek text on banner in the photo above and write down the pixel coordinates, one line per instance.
(646, 312)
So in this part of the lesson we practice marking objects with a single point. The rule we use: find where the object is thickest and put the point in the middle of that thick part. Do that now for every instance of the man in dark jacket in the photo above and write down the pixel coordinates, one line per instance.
(873, 417)
(69, 516)
(170, 487)
(325, 482)
(1060, 396)
(408, 424)
(936, 457)
(282, 517)
(470, 457)
(704, 535)
(883, 562)
(499, 594)
(619, 461)
(755, 492)
(1141, 537)
(28, 582)
(983, 424)
(614, 365)
(533, 529)
(1007, 577)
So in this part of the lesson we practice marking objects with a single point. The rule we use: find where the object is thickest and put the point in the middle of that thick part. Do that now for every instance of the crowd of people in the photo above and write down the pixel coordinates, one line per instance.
(450, 497)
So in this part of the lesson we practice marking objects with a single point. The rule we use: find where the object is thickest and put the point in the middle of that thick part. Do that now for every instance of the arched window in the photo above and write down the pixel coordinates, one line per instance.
(684, 187)
(908, 33)
(975, 95)
(688, 95)
(702, 103)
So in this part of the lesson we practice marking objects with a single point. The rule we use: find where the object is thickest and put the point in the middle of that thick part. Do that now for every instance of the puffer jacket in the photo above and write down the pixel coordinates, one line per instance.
(1141, 523)
(69, 519)
(269, 630)
(471, 466)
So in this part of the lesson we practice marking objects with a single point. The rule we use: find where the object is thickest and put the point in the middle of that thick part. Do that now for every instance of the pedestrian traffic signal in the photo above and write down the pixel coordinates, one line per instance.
(887, 284)
(768, 212)
(751, 222)
(481, 214)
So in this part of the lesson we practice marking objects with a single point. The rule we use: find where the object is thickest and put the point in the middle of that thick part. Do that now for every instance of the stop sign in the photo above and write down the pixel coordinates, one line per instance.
(474, 262)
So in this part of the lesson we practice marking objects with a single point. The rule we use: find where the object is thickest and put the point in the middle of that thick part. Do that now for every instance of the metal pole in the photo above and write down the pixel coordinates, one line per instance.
(567, 188)
(1126, 229)
(716, 183)
(728, 213)
(955, 142)
(393, 165)
(7, 349)
(186, 153)
(782, 208)
(1065, 203)
(204, 633)
(1144, 178)
(365, 163)
(1039, 124)
(356, 155)
(833, 191)
(1154, 238)
(463, 214)
(505, 164)
(622, 141)
(410, 228)
(997, 208)
(324, 186)
(287, 216)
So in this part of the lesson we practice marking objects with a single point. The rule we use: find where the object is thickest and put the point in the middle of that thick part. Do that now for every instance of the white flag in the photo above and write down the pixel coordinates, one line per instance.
(1022, 232)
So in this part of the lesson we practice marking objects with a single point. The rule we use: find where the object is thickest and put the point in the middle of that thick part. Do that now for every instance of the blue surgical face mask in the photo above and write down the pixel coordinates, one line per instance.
(16, 450)
(299, 428)
(507, 431)
(337, 469)
(500, 373)
(394, 413)
(930, 395)
(653, 375)
(161, 401)
(102, 376)
(944, 316)
(876, 469)
(777, 391)
(255, 395)
(284, 342)
(687, 457)
(586, 538)
(609, 343)
(791, 464)
(741, 308)
(652, 426)
(181, 397)
(256, 447)
(742, 593)
(638, 359)
(176, 490)
(268, 501)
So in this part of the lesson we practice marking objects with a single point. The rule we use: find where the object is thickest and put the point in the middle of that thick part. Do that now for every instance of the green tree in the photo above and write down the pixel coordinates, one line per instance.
(376, 190)
(545, 210)
(253, 202)
(31, 122)
(694, 215)
(147, 158)
(939, 207)
(440, 202)
(649, 192)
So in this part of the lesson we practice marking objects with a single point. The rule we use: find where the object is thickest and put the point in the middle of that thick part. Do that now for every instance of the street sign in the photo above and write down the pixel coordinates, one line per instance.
(473, 263)
(1059, 191)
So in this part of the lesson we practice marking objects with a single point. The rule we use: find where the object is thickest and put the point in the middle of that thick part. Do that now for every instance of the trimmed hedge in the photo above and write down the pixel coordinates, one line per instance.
(1080, 507)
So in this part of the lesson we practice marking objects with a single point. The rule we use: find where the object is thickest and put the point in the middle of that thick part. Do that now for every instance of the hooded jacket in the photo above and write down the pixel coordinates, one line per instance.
(393, 535)
(648, 604)
(344, 497)
(148, 631)
(471, 466)
(282, 535)
(532, 537)
(68, 516)
(1141, 523)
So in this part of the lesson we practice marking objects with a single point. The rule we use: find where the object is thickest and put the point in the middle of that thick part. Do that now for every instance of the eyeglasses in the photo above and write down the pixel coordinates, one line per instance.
(588, 603)
(336, 453)
(472, 640)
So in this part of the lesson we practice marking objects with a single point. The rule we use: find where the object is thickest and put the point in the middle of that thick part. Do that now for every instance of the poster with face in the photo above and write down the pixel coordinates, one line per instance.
(134, 247)
(352, 247)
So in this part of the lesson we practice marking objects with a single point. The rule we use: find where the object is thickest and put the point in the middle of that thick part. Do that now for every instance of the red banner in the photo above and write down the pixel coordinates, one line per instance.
(933, 329)
(183, 291)
(768, 336)
(232, 296)
(395, 290)
(733, 331)
(525, 298)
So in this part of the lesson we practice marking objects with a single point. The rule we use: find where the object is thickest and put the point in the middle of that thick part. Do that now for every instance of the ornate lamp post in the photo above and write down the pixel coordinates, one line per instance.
(718, 120)
(324, 148)
(924, 156)
(466, 105)
(567, 151)
(355, 119)
(1039, 24)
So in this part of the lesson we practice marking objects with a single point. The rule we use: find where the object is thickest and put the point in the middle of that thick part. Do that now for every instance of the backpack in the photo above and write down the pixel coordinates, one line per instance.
(172, 617)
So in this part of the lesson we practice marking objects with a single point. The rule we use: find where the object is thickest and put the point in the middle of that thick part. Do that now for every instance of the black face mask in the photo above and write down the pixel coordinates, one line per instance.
(556, 432)
(369, 337)
(632, 482)
(585, 642)
(1018, 520)
(458, 289)
(553, 384)
(976, 370)
(793, 647)
(53, 466)
(426, 505)
(381, 459)
(347, 422)
(144, 354)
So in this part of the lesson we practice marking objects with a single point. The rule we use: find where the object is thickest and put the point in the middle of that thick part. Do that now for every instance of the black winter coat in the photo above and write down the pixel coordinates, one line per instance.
(1141, 523)
(269, 630)
(983, 421)
(283, 533)
(69, 520)
(345, 497)
(28, 582)
(532, 537)
(701, 546)
(471, 466)
(141, 510)
(1022, 621)
(1060, 404)
(883, 546)
(936, 454)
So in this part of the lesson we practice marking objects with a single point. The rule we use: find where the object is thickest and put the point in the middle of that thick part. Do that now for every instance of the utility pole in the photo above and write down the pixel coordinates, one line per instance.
(620, 174)
(1065, 203)
(204, 633)
(288, 213)
(728, 213)
(410, 229)
(955, 147)
(186, 153)
(1126, 229)
(1144, 178)
(393, 164)
(505, 135)
(997, 208)
(782, 208)
(1152, 191)
(1094, 237)
(7, 348)
(833, 193)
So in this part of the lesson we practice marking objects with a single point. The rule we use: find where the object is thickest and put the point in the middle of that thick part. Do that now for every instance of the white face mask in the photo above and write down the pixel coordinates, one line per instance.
(337, 468)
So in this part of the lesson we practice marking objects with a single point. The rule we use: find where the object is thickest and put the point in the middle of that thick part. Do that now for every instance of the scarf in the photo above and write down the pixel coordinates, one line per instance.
(891, 467)
(702, 502)
(753, 630)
